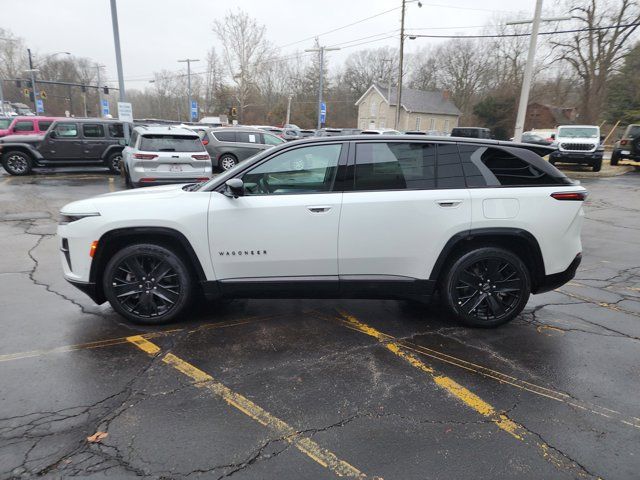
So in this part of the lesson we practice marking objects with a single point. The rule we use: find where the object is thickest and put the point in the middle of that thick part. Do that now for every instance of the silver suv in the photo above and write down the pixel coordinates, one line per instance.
(159, 155)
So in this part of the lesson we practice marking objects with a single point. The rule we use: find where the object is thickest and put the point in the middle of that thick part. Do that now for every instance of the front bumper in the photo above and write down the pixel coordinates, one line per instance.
(551, 282)
(576, 157)
(88, 288)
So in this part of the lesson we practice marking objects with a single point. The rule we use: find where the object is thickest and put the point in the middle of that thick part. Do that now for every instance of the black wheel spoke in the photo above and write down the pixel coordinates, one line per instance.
(505, 286)
(497, 308)
(135, 266)
(470, 279)
(166, 294)
(474, 302)
(126, 289)
(494, 267)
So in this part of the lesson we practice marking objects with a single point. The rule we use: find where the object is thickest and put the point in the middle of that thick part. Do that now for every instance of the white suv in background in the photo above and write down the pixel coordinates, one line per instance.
(580, 144)
(484, 222)
(159, 155)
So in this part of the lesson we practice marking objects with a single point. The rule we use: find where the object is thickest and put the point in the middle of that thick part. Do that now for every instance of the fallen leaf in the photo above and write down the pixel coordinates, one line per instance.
(96, 437)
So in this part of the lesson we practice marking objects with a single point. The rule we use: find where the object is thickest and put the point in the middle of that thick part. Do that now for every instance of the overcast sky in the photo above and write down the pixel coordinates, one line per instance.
(156, 33)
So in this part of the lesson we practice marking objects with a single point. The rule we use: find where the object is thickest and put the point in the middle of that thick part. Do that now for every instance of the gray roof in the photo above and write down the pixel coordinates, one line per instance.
(420, 101)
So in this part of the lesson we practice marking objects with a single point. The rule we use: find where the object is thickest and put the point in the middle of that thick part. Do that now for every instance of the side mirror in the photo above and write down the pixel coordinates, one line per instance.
(234, 188)
(53, 134)
(601, 138)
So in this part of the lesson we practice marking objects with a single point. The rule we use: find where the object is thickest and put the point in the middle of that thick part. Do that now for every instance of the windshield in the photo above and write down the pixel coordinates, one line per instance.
(4, 123)
(171, 143)
(227, 174)
(578, 132)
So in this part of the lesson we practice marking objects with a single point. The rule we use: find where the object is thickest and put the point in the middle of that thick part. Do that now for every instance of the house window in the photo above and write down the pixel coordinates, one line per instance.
(364, 108)
(363, 125)
(418, 120)
(383, 123)
(432, 123)
(373, 110)
(446, 125)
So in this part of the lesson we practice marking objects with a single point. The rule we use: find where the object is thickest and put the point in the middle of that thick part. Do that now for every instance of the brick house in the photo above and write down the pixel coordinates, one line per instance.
(421, 110)
(542, 116)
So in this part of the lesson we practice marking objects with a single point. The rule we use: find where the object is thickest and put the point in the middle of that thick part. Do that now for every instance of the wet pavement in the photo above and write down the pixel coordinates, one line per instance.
(317, 389)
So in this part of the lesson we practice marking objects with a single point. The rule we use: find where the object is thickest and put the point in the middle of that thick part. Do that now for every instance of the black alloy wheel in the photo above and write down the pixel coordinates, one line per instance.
(17, 163)
(147, 283)
(113, 162)
(487, 287)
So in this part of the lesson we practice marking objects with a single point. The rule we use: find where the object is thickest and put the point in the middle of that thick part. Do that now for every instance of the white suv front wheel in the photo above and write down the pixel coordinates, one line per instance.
(147, 283)
(486, 287)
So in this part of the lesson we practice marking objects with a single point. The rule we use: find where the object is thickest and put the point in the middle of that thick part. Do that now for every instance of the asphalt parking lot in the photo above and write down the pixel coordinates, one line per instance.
(317, 389)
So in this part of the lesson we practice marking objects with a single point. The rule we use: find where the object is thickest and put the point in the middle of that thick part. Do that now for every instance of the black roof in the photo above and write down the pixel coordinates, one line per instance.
(89, 120)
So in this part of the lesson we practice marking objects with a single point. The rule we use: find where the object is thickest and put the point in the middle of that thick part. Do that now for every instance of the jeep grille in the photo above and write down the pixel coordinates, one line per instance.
(577, 146)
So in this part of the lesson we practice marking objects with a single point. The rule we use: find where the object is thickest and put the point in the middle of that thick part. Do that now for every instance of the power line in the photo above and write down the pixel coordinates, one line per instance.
(507, 35)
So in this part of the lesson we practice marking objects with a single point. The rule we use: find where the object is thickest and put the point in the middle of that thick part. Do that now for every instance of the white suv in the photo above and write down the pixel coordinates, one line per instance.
(161, 154)
(484, 222)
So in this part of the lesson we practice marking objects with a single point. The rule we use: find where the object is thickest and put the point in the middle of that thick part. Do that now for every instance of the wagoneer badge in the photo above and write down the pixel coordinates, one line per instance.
(243, 252)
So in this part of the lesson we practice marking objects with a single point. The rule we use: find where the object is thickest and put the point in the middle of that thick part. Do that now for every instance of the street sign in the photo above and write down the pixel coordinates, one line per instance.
(43, 94)
(105, 108)
(194, 110)
(125, 112)
(323, 112)
(39, 106)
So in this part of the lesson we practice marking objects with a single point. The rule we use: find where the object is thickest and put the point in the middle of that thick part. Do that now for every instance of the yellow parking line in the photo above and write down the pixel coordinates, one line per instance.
(112, 187)
(122, 340)
(202, 379)
(7, 180)
(614, 308)
(469, 398)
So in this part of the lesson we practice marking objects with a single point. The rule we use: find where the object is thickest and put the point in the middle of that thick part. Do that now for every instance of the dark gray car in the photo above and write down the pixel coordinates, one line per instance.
(228, 146)
(72, 142)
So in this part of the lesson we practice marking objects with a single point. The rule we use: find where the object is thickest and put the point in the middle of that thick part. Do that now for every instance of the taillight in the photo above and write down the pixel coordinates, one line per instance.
(205, 142)
(623, 142)
(200, 157)
(144, 156)
(575, 196)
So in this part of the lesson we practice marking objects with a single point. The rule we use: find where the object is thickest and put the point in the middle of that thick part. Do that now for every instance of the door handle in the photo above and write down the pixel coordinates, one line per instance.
(449, 203)
(319, 209)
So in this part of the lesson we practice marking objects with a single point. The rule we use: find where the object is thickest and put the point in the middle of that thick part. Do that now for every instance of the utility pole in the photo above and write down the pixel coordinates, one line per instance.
(400, 64)
(528, 73)
(1, 100)
(286, 122)
(33, 82)
(188, 62)
(321, 51)
(98, 67)
(116, 41)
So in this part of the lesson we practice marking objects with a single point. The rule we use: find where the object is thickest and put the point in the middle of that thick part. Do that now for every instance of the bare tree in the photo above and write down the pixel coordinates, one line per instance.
(213, 82)
(598, 51)
(365, 67)
(245, 49)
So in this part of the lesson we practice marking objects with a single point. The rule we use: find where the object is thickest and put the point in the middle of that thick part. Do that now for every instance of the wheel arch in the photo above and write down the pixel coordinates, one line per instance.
(22, 148)
(113, 240)
(111, 149)
(516, 240)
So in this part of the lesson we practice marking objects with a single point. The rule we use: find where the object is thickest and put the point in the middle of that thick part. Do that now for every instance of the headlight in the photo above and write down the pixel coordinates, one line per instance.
(66, 218)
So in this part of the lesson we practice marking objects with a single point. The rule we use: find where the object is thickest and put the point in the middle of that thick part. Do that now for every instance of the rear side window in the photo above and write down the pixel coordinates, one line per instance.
(225, 136)
(67, 130)
(44, 125)
(116, 130)
(23, 126)
(494, 166)
(272, 139)
(171, 143)
(634, 131)
(248, 137)
(92, 130)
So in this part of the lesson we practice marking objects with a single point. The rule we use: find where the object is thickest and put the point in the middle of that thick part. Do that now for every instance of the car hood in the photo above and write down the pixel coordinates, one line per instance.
(22, 139)
(94, 204)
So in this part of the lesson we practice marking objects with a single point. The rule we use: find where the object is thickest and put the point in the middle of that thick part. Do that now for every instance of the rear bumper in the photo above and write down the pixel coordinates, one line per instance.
(551, 282)
(630, 155)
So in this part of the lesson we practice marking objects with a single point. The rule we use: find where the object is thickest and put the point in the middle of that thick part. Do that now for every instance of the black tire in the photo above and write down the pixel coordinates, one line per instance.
(113, 162)
(17, 163)
(494, 280)
(227, 161)
(597, 166)
(148, 284)
(615, 158)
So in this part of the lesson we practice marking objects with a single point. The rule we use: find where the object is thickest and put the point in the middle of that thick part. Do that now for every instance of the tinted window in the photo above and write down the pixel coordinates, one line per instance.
(449, 172)
(303, 170)
(134, 138)
(44, 125)
(24, 126)
(171, 143)
(272, 139)
(499, 167)
(4, 123)
(248, 137)
(633, 131)
(66, 130)
(93, 130)
(116, 130)
(225, 136)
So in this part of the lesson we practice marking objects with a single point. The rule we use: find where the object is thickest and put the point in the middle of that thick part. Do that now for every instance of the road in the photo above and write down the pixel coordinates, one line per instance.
(308, 389)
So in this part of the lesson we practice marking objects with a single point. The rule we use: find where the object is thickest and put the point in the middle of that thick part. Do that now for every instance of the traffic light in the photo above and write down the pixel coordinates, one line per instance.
(18, 84)
(83, 88)
(234, 111)
(43, 94)
(105, 90)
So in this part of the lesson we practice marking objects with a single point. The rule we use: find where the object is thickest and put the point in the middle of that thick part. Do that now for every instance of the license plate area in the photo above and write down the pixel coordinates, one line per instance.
(175, 167)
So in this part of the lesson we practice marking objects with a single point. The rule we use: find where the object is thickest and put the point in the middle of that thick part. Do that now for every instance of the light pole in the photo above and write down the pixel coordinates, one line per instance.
(32, 71)
(321, 51)
(401, 62)
(286, 122)
(188, 62)
(100, 110)
(116, 41)
(528, 70)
